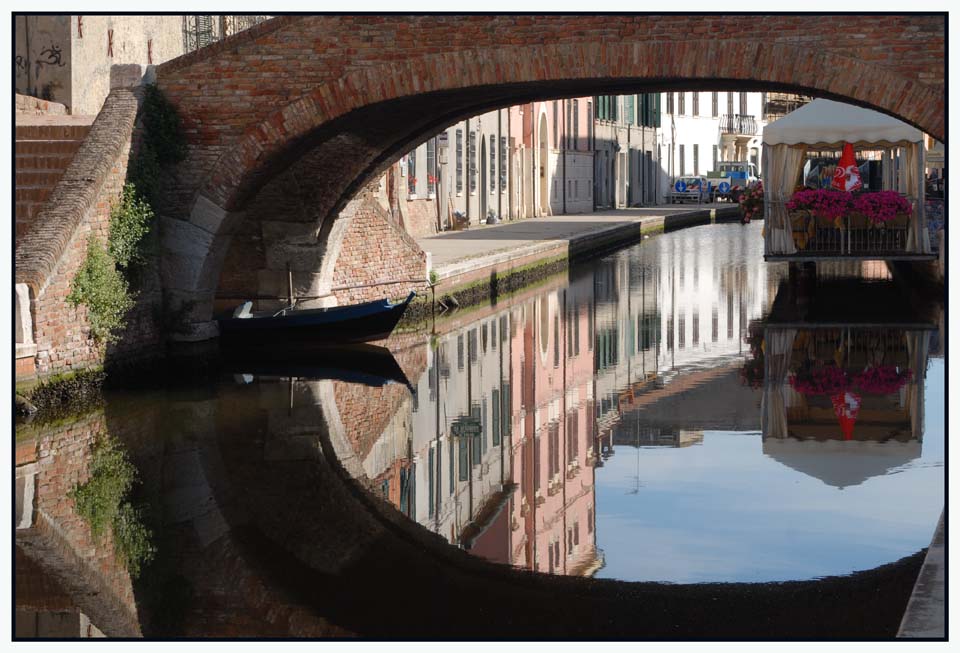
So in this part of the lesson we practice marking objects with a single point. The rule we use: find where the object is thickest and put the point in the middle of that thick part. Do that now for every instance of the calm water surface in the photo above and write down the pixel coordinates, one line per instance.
(675, 411)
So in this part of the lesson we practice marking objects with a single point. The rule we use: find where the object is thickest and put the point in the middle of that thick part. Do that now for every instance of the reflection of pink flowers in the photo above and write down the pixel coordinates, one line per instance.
(828, 380)
(882, 379)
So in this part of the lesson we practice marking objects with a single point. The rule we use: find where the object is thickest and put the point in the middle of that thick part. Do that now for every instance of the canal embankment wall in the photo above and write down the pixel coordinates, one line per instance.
(481, 276)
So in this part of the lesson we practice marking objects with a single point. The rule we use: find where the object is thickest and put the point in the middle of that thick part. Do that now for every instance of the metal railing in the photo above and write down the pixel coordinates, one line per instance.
(849, 235)
(202, 30)
(737, 123)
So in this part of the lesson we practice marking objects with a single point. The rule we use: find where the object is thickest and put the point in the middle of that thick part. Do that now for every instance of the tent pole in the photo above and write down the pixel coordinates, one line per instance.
(921, 198)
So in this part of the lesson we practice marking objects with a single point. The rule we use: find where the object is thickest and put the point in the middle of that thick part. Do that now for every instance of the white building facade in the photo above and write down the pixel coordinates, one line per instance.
(700, 129)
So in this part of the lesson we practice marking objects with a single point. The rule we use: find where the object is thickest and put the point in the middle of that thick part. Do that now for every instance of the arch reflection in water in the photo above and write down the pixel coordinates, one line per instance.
(516, 411)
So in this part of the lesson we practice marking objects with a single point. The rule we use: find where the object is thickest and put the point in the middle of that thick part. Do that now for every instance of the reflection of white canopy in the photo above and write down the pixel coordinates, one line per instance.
(827, 124)
(841, 463)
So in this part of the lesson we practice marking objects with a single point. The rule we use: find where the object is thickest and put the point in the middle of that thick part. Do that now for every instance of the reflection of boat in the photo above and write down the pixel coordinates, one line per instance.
(355, 323)
(358, 363)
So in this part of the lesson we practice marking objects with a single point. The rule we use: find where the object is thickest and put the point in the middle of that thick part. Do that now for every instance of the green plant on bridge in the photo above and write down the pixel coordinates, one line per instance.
(130, 221)
(100, 287)
(102, 503)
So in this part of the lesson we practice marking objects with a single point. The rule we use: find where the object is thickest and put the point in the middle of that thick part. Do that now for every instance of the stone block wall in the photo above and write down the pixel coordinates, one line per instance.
(377, 258)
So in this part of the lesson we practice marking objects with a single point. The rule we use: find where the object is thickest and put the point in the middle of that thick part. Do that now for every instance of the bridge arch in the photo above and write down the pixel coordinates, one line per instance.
(287, 96)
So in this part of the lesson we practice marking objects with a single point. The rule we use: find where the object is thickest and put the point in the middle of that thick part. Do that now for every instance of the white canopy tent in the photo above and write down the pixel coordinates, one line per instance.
(828, 125)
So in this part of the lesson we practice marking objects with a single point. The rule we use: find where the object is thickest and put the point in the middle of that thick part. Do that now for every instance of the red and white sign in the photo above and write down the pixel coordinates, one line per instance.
(846, 406)
(847, 175)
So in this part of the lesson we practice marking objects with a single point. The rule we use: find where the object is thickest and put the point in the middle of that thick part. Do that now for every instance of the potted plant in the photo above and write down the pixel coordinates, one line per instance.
(751, 203)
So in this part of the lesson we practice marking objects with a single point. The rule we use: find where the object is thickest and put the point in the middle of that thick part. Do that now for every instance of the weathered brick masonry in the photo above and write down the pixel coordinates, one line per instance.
(55, 244)
(60, 541)
(377, 259)
(350, 94)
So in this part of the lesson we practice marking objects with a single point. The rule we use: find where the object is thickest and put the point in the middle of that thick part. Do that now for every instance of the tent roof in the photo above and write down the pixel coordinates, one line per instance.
(825, 123)
(842, 463)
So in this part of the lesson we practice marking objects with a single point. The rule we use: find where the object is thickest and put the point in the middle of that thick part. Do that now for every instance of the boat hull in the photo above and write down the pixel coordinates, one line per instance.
(347, 324)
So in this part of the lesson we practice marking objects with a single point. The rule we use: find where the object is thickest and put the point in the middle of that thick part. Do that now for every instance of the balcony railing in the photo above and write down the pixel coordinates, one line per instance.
(738, 123)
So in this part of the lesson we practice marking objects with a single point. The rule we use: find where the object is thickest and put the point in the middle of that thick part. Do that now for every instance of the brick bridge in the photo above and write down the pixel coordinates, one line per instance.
(288, 121)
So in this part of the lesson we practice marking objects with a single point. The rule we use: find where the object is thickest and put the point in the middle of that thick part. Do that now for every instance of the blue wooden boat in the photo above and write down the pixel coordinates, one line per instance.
(355, 323)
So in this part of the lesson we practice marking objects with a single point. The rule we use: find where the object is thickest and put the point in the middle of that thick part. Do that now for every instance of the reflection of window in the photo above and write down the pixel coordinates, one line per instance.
(463, 445)
(553, 445)
(683, 161)
(430, 480)
(573, 437)
(495, 398)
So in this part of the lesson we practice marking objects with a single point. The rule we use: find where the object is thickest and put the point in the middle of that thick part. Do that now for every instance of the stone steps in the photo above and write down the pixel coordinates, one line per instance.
(44, 149)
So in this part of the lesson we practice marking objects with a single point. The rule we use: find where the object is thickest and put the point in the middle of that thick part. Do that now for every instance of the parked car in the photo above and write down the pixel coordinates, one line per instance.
(692, 189)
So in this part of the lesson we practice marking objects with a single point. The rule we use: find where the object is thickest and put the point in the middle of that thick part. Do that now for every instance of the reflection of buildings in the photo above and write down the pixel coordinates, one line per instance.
(668, 315)
(552, 385)
(496, 451)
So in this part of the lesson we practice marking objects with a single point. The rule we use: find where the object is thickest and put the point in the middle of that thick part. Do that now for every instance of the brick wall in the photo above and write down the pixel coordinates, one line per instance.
(35, 106)
(264, 89)
(314, 89)
(53, 249)
(420, 217)
(45, 146)
(376, 250)
(60, 540)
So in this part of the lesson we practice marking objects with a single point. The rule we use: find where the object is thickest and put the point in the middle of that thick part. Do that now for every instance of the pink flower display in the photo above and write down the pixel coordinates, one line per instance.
(882, 379)
(826, 202)
(881, 206)
(878, 207)
(828, 380)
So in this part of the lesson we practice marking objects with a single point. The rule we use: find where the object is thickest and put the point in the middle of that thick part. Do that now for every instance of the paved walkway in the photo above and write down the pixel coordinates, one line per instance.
(925, 615)
(452, 247)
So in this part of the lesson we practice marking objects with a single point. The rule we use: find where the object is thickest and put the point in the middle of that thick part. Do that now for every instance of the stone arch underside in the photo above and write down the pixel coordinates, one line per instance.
(297, 137)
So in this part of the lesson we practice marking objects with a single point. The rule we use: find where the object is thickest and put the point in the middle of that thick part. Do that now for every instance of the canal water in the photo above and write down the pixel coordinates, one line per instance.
(678, 411)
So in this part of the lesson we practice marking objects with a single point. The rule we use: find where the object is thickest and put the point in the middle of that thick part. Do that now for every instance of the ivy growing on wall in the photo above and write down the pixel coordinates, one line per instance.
(100, 287)
(102, 502)
(103, 283)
